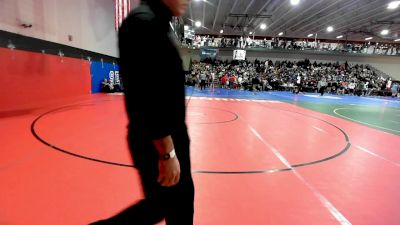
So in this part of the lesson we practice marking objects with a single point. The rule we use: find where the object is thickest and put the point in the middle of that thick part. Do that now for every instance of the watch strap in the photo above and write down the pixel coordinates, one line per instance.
(170, 155)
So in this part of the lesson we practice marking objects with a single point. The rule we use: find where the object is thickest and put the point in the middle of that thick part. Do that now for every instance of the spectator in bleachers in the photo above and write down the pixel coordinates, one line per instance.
(232, 81)
(224, 80)
(322, 86)
(284, 76)
(359, 88)
(351, 87)
(395, 89)
(117, 88)
(107, 86)
(297, 44)
(389, 84)
(203, 78)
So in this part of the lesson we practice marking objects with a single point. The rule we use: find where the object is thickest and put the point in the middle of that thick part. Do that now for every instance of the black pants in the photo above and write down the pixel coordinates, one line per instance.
(202, 84)
(174, 204)
(322, 90)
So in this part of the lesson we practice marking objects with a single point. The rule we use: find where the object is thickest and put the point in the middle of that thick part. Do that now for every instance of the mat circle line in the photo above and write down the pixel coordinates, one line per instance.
(37, 136)
(358, 121)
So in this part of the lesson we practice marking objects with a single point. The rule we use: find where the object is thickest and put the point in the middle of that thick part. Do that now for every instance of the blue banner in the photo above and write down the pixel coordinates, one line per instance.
(100, 71)
(208, 53)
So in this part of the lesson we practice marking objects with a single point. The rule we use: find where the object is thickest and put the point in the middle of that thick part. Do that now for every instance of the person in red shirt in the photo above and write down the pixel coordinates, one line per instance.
(223, 80)
(232, 81)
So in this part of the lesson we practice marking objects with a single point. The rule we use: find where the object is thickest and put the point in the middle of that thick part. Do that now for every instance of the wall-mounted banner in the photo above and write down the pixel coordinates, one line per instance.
(239, 54)
(101, 71)
(210, 53)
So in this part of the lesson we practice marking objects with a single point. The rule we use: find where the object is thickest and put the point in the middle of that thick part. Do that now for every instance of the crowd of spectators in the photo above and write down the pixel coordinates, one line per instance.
(302, 76)
(295, 44)
(108, 86)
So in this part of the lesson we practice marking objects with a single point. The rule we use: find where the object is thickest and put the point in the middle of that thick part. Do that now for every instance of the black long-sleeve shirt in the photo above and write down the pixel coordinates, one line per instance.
(151, 70)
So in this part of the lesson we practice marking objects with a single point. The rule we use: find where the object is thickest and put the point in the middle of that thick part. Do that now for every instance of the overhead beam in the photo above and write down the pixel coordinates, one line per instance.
(245, 11)
(204, 14)
(332, 14)
(376, 11)
(354, 26)
(191, 12)
(321, 10)
(259, 11)
(216, 14)
(230, 12)
(273, 13)
(295, 17)
(249, 16)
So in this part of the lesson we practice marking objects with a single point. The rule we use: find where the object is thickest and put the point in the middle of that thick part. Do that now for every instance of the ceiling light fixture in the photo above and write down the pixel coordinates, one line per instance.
(393, 5)
(310, 35)
(280, 34)
(197, 24)
(294, 2)
(329, 29)
(340, 36)
(368, 38)
(385, 32)
(263, 26)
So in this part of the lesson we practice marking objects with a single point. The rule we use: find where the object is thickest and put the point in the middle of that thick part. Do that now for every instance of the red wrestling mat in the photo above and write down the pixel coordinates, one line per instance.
(253, 162)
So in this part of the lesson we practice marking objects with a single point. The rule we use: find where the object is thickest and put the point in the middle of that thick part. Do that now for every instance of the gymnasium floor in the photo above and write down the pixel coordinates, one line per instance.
(258, 159)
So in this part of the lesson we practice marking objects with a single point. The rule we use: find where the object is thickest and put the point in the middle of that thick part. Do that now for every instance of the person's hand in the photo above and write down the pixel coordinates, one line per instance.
(169, 172)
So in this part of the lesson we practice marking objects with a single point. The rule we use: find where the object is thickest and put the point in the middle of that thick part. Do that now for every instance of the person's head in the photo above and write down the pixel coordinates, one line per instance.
(177, 7)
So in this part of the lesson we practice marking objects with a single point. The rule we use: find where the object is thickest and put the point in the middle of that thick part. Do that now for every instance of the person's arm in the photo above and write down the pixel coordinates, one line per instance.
(169, 168)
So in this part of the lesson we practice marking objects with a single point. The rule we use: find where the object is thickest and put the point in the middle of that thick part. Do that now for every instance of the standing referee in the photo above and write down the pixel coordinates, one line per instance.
(157, 133)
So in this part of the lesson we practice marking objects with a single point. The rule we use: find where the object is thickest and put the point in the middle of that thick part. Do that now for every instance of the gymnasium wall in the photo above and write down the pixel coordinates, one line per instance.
(29, 80)
(387, 64)
(89, 23)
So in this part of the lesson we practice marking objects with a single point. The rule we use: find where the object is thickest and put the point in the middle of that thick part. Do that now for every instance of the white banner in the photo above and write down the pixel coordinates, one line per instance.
(239, 54)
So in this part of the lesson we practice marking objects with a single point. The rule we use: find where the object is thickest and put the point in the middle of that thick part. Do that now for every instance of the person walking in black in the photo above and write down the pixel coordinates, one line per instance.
(157, 133)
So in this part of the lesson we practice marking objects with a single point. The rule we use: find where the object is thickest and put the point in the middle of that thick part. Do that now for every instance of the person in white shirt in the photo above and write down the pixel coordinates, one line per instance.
(297, 89)
(240, 81)
(389, 84)
(249, 41)
(351, 87)
(212, 79)
(321, 86)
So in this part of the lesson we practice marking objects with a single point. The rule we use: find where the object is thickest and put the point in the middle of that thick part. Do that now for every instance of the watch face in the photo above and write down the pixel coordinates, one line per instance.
(166, 157)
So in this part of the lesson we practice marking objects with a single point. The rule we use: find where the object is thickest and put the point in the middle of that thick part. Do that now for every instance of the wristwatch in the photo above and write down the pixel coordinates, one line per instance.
(169, 155)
